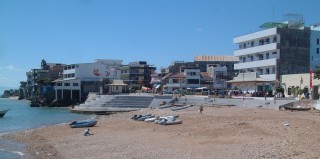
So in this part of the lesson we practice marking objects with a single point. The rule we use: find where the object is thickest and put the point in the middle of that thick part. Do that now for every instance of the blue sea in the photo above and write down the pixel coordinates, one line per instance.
(22, 117)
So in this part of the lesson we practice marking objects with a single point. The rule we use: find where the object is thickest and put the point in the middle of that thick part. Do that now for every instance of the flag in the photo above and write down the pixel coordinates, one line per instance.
(301, 80)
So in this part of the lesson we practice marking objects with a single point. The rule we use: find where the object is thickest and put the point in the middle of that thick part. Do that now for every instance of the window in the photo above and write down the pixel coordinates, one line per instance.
(252, 43)
(261, 42)
(267, 55)
(260, 56)
(267, 70)
(191, 73)
(273, 70)
(318, 41)
(67, 84)
(261, 71)
(175, 80)
(243, 59)
(244, 45)
(317, 50)
(75, 84)
(267, 40)
(193, 81)
(251, 58)
(59, 84)
(274, 53)
(274, 39)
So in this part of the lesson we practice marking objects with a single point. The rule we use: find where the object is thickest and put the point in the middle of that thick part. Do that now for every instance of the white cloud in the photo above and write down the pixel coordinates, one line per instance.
(12, 68)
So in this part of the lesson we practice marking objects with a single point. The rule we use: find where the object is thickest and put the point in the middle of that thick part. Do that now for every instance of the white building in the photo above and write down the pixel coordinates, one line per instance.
(282, 48)
(314, 46)
(218, 75)
(80, 79)
(189, 79)
(192, 78)
(258, 52)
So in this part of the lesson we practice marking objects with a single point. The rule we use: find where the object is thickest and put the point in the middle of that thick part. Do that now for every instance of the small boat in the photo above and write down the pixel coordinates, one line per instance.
(175, 108)
(171, 122)
(3, 112)
(163, 119)
(82, 124)
(165, 106)
(296, 108)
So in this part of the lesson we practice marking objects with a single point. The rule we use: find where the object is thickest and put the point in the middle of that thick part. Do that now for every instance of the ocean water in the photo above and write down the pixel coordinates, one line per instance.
(22, 117)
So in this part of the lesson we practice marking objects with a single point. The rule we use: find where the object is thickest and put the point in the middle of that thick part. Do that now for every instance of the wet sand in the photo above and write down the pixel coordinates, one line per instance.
(220, 132)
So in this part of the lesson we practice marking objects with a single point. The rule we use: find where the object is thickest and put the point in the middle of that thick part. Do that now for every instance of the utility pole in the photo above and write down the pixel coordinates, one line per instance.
(243, 85)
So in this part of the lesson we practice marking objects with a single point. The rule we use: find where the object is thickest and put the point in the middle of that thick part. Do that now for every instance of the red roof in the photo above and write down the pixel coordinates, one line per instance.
(177, 75)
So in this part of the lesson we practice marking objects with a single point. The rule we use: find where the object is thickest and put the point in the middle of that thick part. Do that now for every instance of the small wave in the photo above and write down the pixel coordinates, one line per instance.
(15, 152)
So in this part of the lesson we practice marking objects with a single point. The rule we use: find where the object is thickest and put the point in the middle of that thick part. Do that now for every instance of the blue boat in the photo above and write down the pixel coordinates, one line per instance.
(82, 124)
(3, 112)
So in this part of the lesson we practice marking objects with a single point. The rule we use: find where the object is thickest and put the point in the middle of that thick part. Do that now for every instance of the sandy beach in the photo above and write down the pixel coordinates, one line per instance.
(220, 132)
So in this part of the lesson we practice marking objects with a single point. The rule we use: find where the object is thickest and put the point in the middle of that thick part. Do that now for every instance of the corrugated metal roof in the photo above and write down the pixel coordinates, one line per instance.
(215, 58)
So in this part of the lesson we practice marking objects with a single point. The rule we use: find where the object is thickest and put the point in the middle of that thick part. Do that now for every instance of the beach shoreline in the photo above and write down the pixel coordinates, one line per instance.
(220, 132)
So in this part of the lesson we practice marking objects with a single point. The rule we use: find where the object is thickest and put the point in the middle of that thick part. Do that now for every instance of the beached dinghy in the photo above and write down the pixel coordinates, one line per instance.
(299, 108)
(3, 112)
(165, 106)
(82, 124)
(170, 122)
(180, 108)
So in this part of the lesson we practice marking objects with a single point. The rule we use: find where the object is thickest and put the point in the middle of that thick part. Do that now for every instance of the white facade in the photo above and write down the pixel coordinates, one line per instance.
(192, 78)
(217, 73)
(315, 46)
(93, 71)
(258, 52)
(73, 76)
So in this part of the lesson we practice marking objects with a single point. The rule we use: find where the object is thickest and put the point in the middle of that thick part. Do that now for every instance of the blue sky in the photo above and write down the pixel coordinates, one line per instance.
(157, 31)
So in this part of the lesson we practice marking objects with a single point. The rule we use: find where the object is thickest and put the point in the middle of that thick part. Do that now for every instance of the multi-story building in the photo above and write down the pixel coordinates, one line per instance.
(178, 67)
(80, 79)
(189, 79)
(314, 46)
(203, 62)
(137, 74)
(281, 48)
(36, 78)
(218, 76)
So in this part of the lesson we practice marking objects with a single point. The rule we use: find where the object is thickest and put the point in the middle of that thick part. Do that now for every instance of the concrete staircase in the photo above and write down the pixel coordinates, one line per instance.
(113, 103)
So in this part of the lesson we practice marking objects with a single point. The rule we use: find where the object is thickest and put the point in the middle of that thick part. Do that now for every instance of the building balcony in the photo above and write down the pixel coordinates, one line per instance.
(254, 64)
(255, 35)
(268, 76)
(175, 85)
(256, 49)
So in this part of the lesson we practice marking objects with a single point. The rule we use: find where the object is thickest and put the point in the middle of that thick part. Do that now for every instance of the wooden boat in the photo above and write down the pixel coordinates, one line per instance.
(3, 112)
(82, 124)
(296, 108)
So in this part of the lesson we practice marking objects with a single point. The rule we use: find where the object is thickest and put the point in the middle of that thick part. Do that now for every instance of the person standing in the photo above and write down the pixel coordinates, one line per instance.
(201, 109)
